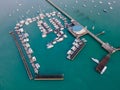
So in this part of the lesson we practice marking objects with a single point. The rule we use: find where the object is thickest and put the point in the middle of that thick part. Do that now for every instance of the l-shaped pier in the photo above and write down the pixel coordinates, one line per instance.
(107, 47)
(110, 49)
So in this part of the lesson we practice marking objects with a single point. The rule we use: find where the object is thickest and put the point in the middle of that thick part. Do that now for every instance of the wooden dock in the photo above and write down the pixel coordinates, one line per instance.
(49, 77)
(22, 55)
(103, 63)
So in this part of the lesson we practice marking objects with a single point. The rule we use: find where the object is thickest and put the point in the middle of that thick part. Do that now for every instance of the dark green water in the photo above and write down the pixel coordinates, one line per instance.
(79, 74)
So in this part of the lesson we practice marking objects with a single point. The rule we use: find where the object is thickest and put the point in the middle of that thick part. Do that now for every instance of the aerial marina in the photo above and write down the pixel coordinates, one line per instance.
(78, 30)
(58, 22)
(23, 39)
(59, 44)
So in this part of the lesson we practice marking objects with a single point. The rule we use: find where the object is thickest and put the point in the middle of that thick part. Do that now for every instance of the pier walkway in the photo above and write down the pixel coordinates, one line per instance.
(22, 56)
(60, 9)
(106, 46)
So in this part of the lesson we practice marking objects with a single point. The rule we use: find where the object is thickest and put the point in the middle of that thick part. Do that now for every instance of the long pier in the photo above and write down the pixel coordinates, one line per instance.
(49, 77)
(104, 45)
(22, 56)
(59, 9)
(107, 47)
(90, 33)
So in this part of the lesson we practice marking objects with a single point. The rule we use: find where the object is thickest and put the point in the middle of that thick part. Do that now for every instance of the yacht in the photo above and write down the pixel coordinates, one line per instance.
(44, 35)
(33, 59)
(69, 52)
(65, 36)
(36, 70)
(49, 45)
(54, 42)
(37, 65)
(97, 61)
(60, 39)
(93, 27)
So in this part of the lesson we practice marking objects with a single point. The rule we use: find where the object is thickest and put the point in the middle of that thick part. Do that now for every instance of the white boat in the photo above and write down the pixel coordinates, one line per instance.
(25, 48)
(97, 61)
(22, 22)
(84, 40)
(77, 40)
(49, 45)
(61, 32)
(58, 35)
(84, 5)
(36, 70)
(26, 35)
(26, 40)
(93, 27)
(109, 3)
(21, 30)
(65, 36)
(61, 28)
(69, 52)
(30, 51)
(33, 65)
(68, 57)
(103, 70)
(18, 24)
(44, 35)
(37, 18)
(100, 2)
(76, 1)
(27, 45)
(37, 65)
(50, 30)
(29, 56)
(73, 48)
(60, 39)
(34, 19)
(54, 42)
(33, 59)
(26, 23)
(111, 7)
(76, 45)
(16, 28)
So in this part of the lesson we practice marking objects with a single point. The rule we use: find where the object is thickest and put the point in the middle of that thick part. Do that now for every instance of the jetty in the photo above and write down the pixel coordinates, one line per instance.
(106, 46)
(77, 30)
(103, 63)
(22, 55)
(49, 77)
(59, 9)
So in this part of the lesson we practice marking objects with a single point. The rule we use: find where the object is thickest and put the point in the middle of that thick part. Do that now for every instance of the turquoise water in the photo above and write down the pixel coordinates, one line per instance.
(79, 74)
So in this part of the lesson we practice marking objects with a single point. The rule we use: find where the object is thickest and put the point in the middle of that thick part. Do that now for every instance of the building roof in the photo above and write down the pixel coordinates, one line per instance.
(77, 28)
